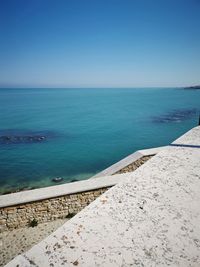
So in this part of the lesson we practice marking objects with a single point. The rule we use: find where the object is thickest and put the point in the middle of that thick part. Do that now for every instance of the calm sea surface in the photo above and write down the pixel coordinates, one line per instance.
(84, 130)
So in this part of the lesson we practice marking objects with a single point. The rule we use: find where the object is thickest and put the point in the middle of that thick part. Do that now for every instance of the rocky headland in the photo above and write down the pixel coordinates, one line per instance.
(195, 87)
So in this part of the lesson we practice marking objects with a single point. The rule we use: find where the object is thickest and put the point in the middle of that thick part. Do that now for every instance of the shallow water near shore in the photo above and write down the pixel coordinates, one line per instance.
(84, 130)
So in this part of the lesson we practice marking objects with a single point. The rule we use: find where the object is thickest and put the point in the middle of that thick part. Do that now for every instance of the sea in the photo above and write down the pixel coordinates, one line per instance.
(74, 133)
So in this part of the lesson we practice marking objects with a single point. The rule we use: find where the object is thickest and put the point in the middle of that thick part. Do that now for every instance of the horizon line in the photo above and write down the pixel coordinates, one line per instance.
(90, 87)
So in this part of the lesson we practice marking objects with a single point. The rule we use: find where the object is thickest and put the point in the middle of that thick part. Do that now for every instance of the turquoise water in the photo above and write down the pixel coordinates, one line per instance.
(86, 130)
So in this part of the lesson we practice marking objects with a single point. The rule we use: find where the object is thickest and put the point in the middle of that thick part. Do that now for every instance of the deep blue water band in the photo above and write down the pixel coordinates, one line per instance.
(182, 145)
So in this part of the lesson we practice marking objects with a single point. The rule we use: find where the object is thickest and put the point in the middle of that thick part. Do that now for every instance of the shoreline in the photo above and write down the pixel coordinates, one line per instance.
(131, 167)
(47, 182)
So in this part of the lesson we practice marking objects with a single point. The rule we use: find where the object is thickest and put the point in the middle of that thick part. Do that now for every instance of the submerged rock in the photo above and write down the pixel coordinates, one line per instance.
(24, 136)
(175, 116)
(9, 139)
(57, 179)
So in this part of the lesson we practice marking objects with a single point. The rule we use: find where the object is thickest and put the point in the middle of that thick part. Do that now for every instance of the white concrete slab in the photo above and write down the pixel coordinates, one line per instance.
(189, 139)
(152, 218)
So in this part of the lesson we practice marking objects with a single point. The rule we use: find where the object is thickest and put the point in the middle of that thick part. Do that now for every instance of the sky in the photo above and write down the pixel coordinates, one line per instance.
(99, 43)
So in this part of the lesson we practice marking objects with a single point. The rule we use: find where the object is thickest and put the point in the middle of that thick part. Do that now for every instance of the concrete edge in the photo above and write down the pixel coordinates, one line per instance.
(128, 160)
(58, 190)
(19, 260)
(93, 183)
(152, 151)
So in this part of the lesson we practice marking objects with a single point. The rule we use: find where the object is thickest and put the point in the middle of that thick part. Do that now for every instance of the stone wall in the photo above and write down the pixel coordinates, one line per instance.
(46, 210)
(136, 164)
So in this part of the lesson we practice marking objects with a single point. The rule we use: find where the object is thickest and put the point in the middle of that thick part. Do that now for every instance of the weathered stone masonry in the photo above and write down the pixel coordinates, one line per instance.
(46, 210)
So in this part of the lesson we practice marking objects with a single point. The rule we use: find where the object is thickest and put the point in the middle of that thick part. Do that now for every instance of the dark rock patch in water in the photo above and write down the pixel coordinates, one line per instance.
(57, 179)
(9, 139)
(24, 136)
(175, 116)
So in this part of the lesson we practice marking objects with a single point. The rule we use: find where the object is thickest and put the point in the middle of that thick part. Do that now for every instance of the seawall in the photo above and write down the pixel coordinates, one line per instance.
(56, 202)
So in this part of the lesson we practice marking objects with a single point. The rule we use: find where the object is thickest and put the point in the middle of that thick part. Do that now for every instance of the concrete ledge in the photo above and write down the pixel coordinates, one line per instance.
(106, 180)
(128, 160)
(58, 190)
(151, 151)
(190, 138)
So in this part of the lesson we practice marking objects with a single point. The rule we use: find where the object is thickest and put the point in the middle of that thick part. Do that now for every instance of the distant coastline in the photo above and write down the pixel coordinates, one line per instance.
(195, 87)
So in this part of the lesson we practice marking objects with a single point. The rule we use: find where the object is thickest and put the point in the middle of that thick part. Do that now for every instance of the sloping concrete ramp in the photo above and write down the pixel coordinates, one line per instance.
(152, 218)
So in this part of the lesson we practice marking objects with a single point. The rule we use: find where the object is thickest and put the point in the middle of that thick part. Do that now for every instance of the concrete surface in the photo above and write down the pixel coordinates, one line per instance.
(151, 218)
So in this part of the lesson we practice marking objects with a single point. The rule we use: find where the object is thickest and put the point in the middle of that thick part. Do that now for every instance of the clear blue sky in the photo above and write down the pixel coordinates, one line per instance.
(99, 43)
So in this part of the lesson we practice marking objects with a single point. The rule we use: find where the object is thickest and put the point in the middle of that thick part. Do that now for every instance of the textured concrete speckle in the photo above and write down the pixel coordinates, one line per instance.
(152, 218)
